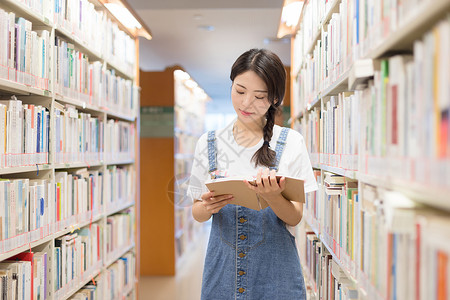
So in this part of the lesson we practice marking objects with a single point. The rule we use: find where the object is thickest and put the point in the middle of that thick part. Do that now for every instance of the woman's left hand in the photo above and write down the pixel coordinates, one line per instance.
(266, 184)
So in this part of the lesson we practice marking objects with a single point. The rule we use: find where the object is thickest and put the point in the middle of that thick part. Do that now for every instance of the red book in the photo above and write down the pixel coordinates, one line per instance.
(389, 266)
(58, 203)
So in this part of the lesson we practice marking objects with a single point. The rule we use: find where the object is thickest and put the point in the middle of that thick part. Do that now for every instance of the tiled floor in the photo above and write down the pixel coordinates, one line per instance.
(186, 285)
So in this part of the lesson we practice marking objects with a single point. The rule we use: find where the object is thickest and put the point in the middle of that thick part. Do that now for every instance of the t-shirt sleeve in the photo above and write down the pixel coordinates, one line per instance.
(199, 171)
(301, 165)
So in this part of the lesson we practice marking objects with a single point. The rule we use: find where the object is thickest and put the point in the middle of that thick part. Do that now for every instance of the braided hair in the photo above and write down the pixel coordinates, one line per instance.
(268, 66)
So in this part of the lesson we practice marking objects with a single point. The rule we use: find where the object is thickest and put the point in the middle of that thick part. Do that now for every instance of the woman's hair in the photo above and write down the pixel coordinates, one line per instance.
(268, 66)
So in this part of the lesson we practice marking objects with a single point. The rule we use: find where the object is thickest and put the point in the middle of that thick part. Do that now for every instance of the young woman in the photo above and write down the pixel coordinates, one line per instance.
(251, 254)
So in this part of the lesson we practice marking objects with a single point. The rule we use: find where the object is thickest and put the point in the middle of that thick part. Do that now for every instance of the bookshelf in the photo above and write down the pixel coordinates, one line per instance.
(378, 142)
(169, 144)
(69, 92)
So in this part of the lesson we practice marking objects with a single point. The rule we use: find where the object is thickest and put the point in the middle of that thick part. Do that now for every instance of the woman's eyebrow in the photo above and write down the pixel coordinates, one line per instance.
(260, 91)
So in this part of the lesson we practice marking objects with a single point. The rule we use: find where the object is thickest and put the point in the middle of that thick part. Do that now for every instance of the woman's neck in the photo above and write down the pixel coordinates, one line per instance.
(253, 127)
(248, 134)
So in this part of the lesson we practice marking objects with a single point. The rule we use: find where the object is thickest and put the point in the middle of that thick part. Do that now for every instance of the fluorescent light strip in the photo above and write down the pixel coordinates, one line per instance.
(123, 15)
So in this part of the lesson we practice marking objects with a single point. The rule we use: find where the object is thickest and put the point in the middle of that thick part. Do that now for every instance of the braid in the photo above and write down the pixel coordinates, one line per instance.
(266, 156)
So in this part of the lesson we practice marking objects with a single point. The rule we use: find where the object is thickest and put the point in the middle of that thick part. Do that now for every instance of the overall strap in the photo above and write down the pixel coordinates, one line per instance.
(212, 151)
(281, 143)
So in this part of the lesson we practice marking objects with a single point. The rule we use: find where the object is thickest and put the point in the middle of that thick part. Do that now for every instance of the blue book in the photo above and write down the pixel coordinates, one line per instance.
(58, 268)
(19, 207)
(38, 132)
(47, 146)
(43, 128)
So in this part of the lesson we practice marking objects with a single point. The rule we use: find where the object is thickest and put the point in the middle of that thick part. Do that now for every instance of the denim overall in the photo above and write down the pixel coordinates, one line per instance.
(251, 255)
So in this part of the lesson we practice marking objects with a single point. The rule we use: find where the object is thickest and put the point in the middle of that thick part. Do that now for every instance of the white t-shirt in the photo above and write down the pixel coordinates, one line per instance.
(236, 160)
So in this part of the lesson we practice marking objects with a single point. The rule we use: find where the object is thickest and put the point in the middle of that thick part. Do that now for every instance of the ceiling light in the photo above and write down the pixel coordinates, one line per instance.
(123, 15)
(197, 17)
(181, 75)
(191, 83)
(206, 27)
(291, 13)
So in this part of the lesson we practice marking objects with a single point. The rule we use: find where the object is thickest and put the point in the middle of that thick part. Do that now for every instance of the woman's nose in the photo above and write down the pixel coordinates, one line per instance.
(247, 101)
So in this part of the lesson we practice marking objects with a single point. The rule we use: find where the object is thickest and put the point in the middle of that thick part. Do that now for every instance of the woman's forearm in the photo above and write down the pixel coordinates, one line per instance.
(199, 212)
(289, 212)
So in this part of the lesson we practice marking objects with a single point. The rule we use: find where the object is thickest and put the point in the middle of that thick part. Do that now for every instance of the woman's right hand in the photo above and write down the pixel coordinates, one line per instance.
(214, 203)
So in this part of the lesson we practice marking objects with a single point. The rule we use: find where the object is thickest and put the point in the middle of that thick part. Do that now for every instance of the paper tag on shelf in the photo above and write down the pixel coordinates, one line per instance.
(440, 171)
(421, 170)
(333, 160)
(7, 245)
(355, 162)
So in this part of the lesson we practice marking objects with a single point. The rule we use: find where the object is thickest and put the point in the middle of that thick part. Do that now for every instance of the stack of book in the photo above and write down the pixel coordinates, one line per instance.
(78, 195)
(118, 187)
(405, 112)
(78, 136)
(119, 141)
(119, 232)
(120, 277)
(76, 255)
(24, 53)
(24, 131)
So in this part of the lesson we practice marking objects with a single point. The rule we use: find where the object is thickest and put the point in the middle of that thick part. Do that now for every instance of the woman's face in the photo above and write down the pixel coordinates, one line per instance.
(250, 97)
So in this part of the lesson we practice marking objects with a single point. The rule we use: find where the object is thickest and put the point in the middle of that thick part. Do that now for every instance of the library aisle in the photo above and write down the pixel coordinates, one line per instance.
(186, 284)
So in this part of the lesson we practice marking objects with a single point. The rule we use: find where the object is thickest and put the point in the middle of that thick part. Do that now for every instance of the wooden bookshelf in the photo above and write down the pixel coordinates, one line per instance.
(43, 238)
(168, 153)
(388, 182)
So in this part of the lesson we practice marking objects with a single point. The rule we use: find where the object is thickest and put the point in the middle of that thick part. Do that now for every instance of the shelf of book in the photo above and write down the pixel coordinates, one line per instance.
(119, 70)
(46, 100)
(123, 117)
(37, 237)
(340, 171)
(78, 165)
(36, 168)
(27, 12)
(117, 208)
(326, 240)
(77, 103)
(76, 284)
(313, 103)
(27, 241)
(334, 7)
(401, 167)
(79, 44)
(116, 254)
(93, 108)
(120, 162)
(21, 89)
(340, 84)
(425, 193)
(422, 16)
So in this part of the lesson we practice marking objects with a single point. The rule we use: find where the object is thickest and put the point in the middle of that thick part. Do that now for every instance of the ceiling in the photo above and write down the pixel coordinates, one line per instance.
(178, 38)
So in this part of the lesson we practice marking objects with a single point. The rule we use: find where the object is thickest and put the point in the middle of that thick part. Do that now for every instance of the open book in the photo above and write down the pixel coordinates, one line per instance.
(244, 196)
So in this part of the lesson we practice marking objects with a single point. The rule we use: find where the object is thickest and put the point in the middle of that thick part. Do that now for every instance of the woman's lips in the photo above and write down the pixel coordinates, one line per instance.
(245, 113)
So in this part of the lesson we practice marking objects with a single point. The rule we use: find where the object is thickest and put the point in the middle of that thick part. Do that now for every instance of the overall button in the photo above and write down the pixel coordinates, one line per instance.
(242, 237)
(241, 255)
(241, 273)
(241, 290)
(242, 220)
